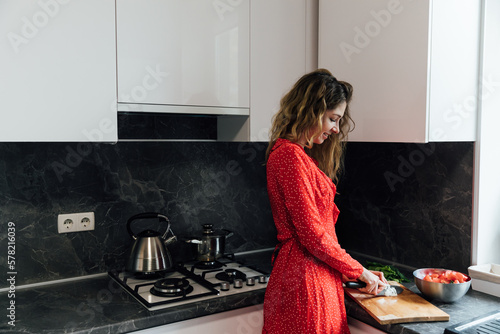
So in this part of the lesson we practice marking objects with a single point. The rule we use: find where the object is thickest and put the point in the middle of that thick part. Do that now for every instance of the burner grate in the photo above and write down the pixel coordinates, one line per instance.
(207, 265)
(485, 324)
(229, 275)
(210, 289)
(492, 327)
(204, 283)
(171, 287)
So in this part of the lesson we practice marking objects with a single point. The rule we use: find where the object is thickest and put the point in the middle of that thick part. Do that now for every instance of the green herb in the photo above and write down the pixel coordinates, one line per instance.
(391, 273)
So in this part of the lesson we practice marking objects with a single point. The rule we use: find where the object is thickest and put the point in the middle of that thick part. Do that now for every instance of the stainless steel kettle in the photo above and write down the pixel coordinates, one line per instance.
(149, 253)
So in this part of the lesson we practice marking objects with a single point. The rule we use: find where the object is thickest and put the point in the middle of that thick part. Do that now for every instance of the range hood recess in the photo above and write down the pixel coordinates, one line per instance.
(182, 109)
(182, 127)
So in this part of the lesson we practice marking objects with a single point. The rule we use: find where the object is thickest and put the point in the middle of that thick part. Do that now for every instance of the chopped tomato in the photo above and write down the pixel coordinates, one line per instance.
(461, 277)
(448, 276)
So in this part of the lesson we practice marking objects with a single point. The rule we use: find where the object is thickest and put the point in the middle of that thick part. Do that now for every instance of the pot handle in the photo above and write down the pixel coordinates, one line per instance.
(194, 241)
(145, 215)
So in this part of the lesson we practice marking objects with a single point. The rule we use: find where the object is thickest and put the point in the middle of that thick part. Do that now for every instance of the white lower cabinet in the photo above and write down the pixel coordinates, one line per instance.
(248, 320)
(358, 327)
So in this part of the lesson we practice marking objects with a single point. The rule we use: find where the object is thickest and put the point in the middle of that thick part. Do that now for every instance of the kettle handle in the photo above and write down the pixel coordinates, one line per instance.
(145, 215)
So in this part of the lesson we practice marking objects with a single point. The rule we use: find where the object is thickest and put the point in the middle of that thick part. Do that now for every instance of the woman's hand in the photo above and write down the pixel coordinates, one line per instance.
(375, 281)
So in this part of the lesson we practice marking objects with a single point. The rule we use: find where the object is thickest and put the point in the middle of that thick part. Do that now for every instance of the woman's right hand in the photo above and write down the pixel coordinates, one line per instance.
(375, 281)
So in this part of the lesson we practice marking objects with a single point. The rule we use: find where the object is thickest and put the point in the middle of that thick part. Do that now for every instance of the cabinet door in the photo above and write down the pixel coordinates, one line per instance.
(359, 327)
(454, 75)
(57, 65)
(381, 47)
(281, 33)
(183, 52)
(248, 320)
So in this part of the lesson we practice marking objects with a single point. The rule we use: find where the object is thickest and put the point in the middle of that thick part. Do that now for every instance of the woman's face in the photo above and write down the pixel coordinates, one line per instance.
(331, 123)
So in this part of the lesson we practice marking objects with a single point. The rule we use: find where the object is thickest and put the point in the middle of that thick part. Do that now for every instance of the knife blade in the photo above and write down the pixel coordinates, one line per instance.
(359, 284)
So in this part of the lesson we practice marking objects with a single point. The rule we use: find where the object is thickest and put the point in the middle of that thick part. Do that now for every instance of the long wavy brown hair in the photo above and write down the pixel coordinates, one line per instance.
(302, 109)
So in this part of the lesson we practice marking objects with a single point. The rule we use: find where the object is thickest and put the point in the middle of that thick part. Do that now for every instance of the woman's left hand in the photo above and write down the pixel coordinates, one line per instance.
(380, 276)
(375, 281)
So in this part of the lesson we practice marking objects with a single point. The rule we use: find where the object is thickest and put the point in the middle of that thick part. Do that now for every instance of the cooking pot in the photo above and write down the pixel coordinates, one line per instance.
(211, 245)
(149, 253)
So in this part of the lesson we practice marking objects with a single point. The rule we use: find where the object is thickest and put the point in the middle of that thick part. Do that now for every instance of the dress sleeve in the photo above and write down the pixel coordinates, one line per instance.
(294, 180)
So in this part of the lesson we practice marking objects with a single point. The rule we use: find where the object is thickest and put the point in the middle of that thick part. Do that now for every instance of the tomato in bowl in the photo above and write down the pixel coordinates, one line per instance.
(442, 284)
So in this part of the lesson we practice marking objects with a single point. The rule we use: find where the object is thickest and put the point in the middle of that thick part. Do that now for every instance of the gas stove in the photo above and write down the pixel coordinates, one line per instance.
(486, 324)
(191, 282)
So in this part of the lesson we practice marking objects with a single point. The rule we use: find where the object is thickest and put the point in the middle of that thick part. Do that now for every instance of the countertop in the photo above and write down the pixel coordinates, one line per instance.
(472, 305)
(98, 305)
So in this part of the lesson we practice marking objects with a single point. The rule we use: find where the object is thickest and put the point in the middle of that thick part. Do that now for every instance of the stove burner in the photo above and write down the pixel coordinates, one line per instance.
(204, 265)
(171, 287)
(229, 275)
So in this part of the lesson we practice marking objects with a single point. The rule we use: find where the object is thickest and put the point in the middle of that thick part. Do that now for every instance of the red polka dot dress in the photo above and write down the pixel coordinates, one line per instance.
(304, 294)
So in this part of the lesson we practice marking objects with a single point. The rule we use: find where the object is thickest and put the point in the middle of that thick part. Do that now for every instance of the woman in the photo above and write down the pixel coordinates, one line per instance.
(304, 293)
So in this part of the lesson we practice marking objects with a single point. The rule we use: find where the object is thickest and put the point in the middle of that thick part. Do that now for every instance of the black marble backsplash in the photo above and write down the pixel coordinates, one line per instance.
(191, 183)
(408, 203)
(416, 212)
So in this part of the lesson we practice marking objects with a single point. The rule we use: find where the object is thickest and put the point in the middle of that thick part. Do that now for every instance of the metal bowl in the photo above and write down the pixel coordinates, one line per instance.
(444, 292)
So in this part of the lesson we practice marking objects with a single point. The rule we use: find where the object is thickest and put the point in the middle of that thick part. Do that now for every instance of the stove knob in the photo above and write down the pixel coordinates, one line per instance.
(250, 281)
(224, 286)
(238, 283)
(262, 279)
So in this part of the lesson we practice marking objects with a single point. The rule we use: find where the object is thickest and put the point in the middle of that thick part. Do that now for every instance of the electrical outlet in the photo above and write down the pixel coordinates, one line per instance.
(86, 221)
(66, 223)
(75, 222)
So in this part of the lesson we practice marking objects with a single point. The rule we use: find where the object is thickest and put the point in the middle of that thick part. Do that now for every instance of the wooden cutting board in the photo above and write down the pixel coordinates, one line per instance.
(405, 307)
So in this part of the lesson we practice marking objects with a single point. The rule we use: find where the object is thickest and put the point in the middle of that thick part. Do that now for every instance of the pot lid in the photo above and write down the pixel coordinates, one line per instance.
(208, 231)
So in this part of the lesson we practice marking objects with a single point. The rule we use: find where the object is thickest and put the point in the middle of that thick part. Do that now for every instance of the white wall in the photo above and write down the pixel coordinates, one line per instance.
(486, 226)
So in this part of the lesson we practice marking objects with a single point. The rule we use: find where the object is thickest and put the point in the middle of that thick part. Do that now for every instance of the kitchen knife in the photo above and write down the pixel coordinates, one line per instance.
(359, 284)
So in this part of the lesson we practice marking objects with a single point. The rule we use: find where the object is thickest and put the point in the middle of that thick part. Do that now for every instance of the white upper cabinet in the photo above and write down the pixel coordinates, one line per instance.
(57, 65)
(283, 48)
(179, 55)
(413, 64)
